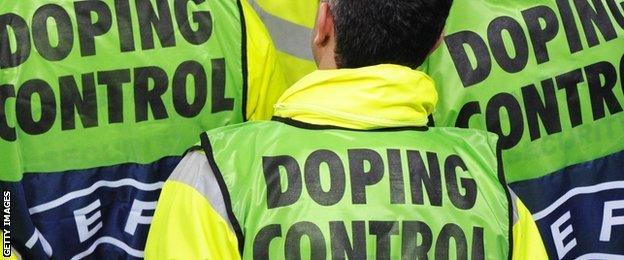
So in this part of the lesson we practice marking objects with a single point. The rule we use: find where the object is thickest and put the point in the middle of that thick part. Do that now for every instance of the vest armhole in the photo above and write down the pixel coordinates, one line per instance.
(192, 149)
(510, 208)
(244, 62)
(207, 147)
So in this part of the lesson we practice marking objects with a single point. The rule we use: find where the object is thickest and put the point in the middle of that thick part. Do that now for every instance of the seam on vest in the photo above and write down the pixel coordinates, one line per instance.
(195, 172)
(205, 141)
(244, 57)
(510, 206)
(327, 112)
(303, 125)
(491, 205)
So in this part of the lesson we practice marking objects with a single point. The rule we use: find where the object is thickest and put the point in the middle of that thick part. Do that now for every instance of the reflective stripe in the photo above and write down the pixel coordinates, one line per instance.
(514, 204)
(195, 171)
(288, 37)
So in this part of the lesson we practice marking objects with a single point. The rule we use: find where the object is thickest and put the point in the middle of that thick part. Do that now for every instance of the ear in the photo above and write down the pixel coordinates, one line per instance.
(324, 30)
(438, 43)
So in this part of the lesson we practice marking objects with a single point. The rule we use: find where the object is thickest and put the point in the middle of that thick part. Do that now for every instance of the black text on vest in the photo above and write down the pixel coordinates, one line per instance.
(418, 240)
(366, 168)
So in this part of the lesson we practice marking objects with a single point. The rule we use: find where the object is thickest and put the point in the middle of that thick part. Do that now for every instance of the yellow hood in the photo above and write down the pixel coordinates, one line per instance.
(381, 96)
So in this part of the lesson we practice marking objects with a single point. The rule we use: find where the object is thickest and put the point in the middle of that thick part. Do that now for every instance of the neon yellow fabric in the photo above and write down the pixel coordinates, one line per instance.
(366, 98)
(526, 237)
(253, 161)
(12, 257)
(294, 68)
(300, 12)
(183, 214)
(304, 102)
(13, 253)
(206, 234)
(265, 74)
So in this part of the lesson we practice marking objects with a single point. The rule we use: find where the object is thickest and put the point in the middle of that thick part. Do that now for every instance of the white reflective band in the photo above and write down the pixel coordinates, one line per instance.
(195, 171)
(288, 37)
(514, 204)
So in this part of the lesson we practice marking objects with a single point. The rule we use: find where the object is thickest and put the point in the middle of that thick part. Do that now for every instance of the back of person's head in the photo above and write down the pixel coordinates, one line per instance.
(372, 32)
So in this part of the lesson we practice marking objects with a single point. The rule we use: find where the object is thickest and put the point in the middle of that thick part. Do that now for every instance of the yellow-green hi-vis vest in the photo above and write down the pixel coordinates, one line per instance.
(324, 193)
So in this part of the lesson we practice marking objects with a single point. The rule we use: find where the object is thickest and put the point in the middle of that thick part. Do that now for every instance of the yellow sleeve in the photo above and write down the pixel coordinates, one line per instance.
(185, 226)
(527, 241)
(14, 255)
(266, 81)
(290, 24)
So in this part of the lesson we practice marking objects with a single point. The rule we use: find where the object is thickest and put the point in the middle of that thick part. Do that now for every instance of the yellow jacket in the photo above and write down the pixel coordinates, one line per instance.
(265, 74)
(190, 223)
(290, 24)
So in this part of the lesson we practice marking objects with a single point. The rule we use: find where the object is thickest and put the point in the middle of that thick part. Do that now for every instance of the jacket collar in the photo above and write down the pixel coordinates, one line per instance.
(382, 96)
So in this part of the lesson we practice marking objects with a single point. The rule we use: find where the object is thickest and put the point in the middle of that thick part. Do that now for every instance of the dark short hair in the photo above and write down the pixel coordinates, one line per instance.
(372, 32)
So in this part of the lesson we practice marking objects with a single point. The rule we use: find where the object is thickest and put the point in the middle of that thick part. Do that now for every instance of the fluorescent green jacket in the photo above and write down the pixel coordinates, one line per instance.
(191, 221)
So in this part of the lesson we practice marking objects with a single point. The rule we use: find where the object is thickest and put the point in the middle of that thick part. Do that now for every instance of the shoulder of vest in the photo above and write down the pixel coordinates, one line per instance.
(466, 131)
(229, 129)
(490, 138)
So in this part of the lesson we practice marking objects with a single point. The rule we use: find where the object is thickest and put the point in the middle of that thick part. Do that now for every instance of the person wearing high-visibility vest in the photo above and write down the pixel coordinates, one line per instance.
(348, 167)
(116, 97)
